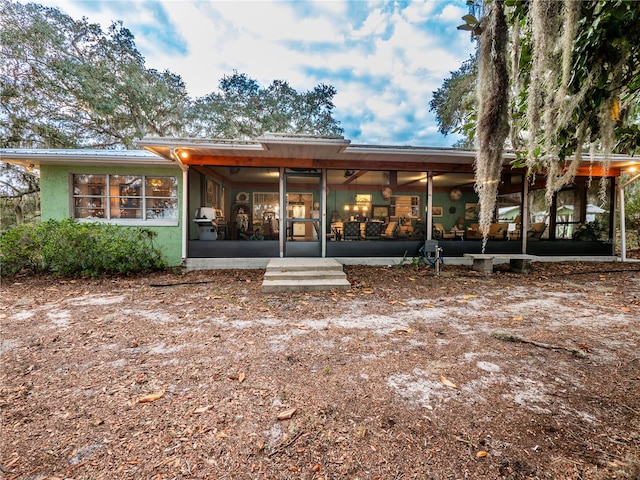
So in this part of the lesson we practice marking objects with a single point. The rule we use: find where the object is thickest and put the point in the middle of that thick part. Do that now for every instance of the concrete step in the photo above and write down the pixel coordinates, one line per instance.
(304, 275)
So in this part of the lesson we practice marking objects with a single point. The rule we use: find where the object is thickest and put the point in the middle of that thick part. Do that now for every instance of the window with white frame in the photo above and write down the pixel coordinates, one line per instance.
(404, 206)
(114, 197)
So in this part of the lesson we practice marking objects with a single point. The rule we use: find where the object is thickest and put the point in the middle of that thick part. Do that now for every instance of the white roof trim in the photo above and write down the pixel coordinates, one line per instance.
(40, 156)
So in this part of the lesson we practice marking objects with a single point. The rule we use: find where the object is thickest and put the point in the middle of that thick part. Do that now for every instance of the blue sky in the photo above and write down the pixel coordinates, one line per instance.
(384, 58)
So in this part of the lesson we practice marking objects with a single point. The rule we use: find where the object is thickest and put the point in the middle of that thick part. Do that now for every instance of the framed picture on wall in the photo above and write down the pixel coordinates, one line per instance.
(471, 211)
(380, 211)
(212, 193)
(437, 211)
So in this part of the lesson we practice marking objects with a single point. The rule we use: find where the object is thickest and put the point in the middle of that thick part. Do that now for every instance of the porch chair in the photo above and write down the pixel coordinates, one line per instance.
(390, 231)
(440, 233)
(498, 231)
(473, 232)
(372, 231)
(536, 230)
(351, 231)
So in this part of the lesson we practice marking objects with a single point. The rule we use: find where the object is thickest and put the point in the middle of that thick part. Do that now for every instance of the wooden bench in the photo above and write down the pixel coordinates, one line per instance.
(518, 262)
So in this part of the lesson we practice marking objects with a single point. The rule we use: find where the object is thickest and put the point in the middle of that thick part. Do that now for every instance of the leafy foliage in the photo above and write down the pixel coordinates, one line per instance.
(19, 200)
(241, 109)
(574, 84)
(68, 248)
(574, 77)
(455, 102)
(604, 66)
(68, 84)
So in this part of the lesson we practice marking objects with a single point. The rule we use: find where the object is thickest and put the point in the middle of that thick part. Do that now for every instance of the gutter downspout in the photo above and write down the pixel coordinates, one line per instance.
(623, 227)
(185, 205)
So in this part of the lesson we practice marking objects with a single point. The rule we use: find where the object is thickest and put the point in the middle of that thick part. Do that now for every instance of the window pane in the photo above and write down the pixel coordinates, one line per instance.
(126, 199)
(568, 212)
(166, 187)
(161, 197)
(405, 206)
(538, 212)
(89, 193)
(509, 207)
(265, 206)
(598, 210)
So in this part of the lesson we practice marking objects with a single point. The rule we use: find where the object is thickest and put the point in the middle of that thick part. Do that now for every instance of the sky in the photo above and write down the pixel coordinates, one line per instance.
(385, 59)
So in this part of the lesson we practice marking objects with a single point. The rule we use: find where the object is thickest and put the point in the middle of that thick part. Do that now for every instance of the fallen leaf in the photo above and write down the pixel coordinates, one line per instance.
(367, 290)
(445, 381)
(360, 432)
(584, 347)
(316, 468)
(221, 435)
(405, 330)
(518, 319)
(412, 279)
(481, 454)
(151, 397)
(467, 297)
(241, 377)
(286, 414)
(203, 409)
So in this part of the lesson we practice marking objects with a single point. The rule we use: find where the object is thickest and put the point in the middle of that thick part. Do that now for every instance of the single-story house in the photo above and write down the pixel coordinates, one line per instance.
(213, 202)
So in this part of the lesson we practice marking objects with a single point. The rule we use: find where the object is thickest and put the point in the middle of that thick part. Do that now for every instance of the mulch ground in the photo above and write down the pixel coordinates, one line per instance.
(409, 375)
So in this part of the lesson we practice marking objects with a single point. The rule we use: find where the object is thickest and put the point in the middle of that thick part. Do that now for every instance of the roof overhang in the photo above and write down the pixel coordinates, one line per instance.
(309, 152)
(35, 158)
(282, 150)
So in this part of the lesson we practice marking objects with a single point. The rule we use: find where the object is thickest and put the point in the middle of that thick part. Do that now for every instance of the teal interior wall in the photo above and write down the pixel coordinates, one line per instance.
(452, 210)
(55, 195)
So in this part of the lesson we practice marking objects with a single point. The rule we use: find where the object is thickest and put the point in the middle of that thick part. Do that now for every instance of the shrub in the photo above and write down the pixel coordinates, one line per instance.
(69, 248)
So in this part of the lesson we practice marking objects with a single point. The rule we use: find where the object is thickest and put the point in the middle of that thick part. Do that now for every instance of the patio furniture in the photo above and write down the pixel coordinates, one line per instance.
(390, 231)
(372, 230)
(351, 231)
(536, 230)
(440, 233)
(498, 231)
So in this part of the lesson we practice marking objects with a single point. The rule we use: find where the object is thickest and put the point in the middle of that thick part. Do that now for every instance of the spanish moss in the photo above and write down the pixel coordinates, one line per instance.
(493, 124)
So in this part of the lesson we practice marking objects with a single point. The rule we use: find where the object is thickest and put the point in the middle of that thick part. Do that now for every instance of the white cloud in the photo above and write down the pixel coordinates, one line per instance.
(385, 59)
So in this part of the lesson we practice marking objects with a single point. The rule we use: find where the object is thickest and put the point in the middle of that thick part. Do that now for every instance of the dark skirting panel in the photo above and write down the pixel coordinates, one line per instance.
(390, 248)
(234, 248)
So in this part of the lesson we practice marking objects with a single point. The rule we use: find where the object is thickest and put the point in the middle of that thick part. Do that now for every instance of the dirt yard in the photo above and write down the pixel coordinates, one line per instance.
(409, 375)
